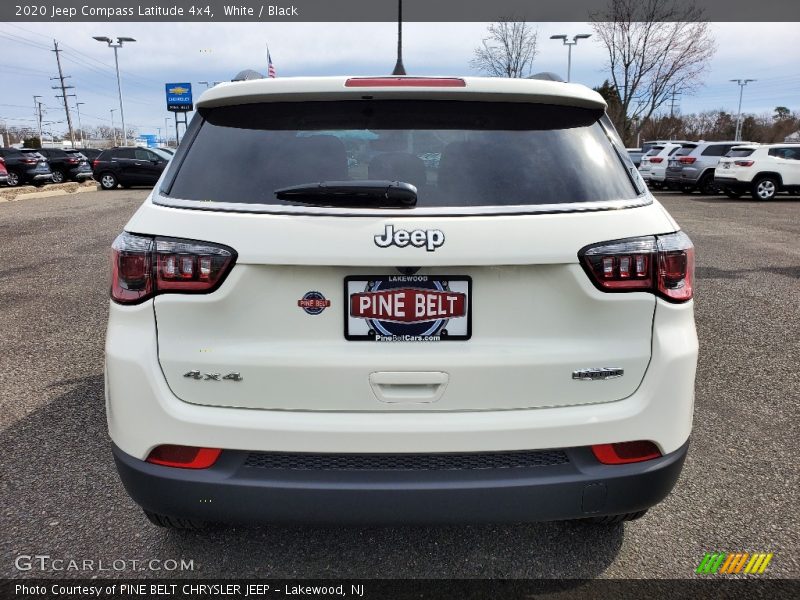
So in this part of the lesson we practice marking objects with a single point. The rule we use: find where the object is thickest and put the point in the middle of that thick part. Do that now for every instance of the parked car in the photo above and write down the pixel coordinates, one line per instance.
(635, 155)
(764, 171)
(128, 167)
(318, 355)
(25, 167)
(67, 164)
(692, 167)
(91, 153)
(166, 149)
(654, 164)
(648, 145)
(3, 172)
(162, 153)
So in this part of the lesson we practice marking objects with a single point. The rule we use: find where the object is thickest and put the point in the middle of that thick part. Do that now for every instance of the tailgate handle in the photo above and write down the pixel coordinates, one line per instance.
(408, 386)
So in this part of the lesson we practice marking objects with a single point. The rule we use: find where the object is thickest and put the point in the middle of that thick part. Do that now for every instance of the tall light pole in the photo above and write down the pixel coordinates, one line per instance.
(80, 126)
(116, 46)
(742, 83)
(166, 131)
(569, 45)
(113, 129)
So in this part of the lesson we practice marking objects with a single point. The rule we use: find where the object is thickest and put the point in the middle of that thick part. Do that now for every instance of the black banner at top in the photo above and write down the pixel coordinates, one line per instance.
(385, 10)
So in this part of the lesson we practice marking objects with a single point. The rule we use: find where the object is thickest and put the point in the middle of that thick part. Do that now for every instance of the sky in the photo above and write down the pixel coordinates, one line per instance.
(193, 52)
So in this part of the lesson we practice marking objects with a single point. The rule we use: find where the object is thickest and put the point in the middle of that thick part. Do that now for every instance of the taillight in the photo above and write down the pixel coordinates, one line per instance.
(30, 161)
(625, 452)
(743, 163)
(405, 82)
(656, 160)
(183, 457)
(142, 267)
(95, 162)
(663, 265)
(687, 160)
(73, 161)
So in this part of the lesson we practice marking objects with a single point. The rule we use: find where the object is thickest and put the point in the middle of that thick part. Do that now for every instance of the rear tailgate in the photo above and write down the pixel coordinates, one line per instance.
(535, 316)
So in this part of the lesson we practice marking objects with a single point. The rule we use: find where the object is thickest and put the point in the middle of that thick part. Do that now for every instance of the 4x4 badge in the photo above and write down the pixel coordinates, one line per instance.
(430, 239)
(195, 374)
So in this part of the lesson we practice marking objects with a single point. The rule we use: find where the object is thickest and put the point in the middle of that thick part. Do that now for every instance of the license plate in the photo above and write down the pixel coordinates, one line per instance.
(408, 308)
(673, 163)
(726, 165)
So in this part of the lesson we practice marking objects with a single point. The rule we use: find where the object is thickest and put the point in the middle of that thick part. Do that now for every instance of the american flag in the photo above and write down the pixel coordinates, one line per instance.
(270, 66)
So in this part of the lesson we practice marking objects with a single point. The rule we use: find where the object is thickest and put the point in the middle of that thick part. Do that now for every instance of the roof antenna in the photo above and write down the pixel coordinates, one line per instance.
(399, 69)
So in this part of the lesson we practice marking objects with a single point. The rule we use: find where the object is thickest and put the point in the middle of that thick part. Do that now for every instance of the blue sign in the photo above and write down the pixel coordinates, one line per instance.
(179, 97)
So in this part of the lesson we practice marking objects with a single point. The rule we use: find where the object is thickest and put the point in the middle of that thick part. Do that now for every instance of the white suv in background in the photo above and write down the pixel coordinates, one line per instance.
(653, 167)
(400, 299)
(762, 170)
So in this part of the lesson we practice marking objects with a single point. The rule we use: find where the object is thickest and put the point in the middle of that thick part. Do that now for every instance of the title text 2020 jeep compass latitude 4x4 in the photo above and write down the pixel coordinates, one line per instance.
(400, 299)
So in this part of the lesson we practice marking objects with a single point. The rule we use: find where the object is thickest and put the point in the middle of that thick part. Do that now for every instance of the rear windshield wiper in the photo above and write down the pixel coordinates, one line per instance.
(375, 193)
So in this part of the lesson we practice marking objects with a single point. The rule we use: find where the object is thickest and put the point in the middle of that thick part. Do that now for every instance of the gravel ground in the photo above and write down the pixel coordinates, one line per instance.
(60, 495)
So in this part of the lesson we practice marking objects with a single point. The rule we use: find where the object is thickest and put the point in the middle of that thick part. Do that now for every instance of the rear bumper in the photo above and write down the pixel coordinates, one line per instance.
(232, 491)
(41, 177)
(732, 184)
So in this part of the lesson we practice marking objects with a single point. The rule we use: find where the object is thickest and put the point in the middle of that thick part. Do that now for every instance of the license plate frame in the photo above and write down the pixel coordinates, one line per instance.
(359, 328)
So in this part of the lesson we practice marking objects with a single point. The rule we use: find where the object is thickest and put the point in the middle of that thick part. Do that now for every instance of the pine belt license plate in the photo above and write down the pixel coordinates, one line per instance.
(408, 308)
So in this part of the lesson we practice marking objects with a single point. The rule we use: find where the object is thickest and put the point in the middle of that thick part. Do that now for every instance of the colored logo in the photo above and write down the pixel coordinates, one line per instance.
(313, 303)
(733, 563)
(178, 90)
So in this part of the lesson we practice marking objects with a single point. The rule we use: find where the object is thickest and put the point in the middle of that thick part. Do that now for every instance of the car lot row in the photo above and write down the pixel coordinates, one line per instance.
(732, 168)
(116, 166)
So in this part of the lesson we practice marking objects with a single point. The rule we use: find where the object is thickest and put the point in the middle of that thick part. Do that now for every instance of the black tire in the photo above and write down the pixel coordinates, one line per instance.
(706, 184)
(14, 179)
(108, 181)
(615, 519)
(59, 177)
(174, 522)
(765, 188)
(733, 195)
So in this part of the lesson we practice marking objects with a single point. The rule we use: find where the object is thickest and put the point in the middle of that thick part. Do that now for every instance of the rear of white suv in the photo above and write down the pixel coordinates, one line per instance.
(398, 300)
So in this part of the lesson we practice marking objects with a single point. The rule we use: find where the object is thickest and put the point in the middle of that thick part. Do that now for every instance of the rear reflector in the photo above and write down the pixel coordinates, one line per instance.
(184, 457)
(405, 82)
(625, 452)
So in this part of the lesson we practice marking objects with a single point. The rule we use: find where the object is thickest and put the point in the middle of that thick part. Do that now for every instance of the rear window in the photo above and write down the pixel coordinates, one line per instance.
(716, 150)
(457, 154)
(685, 150)
(739, 153)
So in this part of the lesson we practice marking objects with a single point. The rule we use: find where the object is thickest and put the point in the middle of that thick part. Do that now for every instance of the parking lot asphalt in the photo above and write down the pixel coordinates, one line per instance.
(60, 496)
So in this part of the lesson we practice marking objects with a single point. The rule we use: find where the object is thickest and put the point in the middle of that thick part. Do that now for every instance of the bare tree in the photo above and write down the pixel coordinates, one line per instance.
(656, 49)
(508, 50)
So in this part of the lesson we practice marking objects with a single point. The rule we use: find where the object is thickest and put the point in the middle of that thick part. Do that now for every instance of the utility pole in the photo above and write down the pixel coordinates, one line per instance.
(399, 69)
(37, 107)
(64, 89)
(166, 131)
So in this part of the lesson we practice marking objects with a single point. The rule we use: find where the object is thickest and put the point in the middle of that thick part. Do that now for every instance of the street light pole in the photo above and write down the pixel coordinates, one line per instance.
(113, 129)
(569, 45)
(37, 106)
(742, 82)
(116, 46)
(80, 126)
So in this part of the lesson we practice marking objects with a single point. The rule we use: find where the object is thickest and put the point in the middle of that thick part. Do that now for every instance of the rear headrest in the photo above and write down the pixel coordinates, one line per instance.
(398, 166)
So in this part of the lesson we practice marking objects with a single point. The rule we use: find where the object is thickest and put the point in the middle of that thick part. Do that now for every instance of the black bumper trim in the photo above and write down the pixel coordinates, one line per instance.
(232, 492)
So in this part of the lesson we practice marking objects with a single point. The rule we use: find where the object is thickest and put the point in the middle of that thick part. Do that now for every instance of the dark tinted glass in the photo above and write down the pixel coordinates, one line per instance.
(716, 150)
(455, 153)
(124, 153)
(739, 153)
(685, 150)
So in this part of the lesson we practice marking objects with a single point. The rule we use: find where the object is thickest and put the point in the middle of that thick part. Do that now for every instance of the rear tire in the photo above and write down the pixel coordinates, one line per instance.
(108, 181)
(14, 179)
(706, 184)
(615, 519)
(58, 177)
(764, 188)
(174, 522)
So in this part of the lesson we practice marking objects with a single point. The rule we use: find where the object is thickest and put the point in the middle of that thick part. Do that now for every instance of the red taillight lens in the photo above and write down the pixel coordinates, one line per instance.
(656, 160)
(405, 82)
(184, 457)
(743, 163)
(73, 161)
(30, 161)
(687, 160)
(143, 267)
(625, 452)
(663, 265)
(95, 162)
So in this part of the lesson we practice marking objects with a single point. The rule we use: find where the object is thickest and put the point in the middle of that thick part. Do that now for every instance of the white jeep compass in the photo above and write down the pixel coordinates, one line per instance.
(400, 299)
